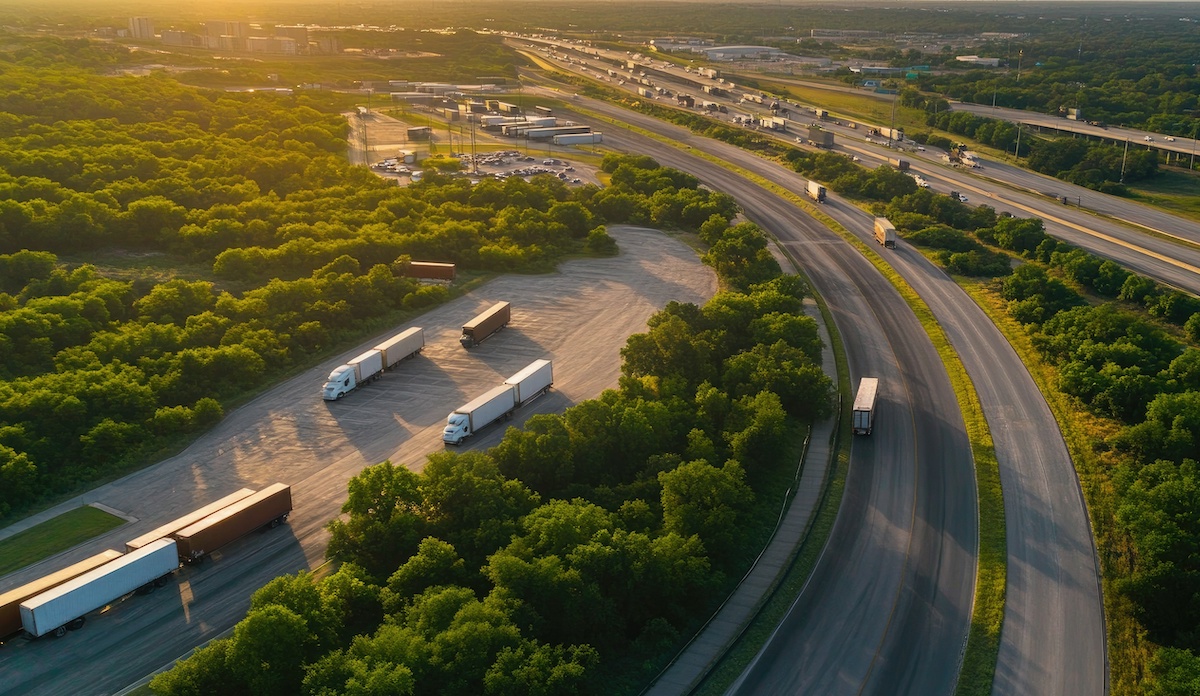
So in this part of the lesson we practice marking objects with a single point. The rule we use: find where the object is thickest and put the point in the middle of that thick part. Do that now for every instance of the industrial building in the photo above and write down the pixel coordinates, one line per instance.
(141, 28)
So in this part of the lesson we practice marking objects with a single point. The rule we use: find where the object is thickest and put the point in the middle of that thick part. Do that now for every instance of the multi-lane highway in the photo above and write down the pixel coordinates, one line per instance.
(1053, 640)
(889, 606)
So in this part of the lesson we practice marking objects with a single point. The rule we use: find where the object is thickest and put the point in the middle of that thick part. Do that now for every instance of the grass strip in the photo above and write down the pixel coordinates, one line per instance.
(54, 535)
(983, 643)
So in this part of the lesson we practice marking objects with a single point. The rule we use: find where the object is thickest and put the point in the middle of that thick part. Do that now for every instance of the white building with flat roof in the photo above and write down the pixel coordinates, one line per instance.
(141, 28)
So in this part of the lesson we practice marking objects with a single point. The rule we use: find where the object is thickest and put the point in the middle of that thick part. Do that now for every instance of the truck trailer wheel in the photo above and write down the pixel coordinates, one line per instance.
(77, 624)
(60, 631)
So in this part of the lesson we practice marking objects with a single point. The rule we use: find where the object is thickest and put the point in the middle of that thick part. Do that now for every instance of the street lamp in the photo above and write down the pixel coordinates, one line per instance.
(1195, 133)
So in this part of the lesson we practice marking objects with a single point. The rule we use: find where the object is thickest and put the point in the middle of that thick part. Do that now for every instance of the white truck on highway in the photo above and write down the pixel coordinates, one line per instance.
(499, 403)
(864, 405)
(885, 233)
(66, 606)
(816, 191)
(361, 370)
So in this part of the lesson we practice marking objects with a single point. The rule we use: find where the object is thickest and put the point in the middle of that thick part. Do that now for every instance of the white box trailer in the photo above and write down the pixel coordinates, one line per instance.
(356, 372)
(541, 121)
(534, 380)
(469, 419)
(546, 133)
(579, 139)
(864, 405)
(403, 345)
(66, 606)
(885, 233)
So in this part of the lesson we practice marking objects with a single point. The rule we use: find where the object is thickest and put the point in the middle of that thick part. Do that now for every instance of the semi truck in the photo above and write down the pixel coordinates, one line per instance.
(899, 164)
(10, 602)
(270, 506)
(593, 138)
(820, 137)
(476, 415)
(645, 92)
(864, 405)
(361, 370)
(65, 607)
(885, 233)
(186, 521)
(402, 346)
(816, 191)
(531, 382)
(478, 329)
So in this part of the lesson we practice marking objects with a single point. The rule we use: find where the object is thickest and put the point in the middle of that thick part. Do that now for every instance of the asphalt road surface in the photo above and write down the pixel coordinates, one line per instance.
(579, 316)
(888, 608)
(1053, 640)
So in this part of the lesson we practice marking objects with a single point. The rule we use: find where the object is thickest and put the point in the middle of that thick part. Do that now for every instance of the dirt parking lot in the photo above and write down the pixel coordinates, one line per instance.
(579, 317)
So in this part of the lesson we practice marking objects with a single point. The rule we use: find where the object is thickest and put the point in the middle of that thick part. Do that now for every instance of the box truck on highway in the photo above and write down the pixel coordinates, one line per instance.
(864, 405)
(899, 164)
(270, 506)
(469, 419)
(816, 191)
(10, 602)
(534, 380)
(65, 607)
(478, 329)
(187, 520)
(885, 233)
(361, 370)
(402, 346)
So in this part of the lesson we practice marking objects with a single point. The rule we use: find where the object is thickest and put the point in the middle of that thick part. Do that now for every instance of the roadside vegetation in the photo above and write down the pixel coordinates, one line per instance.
(574, 556)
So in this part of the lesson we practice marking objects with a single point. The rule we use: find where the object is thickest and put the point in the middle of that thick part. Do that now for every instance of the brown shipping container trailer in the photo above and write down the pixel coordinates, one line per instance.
(186, 521)
(271, 505)
(428, 269)
(486, 324)
(10, 602)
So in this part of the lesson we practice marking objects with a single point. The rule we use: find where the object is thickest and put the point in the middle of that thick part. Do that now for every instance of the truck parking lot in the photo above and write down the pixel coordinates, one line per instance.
(579, 317)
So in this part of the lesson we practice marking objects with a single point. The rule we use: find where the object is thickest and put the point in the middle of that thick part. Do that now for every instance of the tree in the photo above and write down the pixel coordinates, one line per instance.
(435, 564)
(700, 499)
(204, 672)
(534, 669)
(540, 454)
(269, 649)
(385, 524)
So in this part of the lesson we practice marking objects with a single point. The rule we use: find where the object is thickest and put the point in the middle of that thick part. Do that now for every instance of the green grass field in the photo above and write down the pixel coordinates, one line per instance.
(54, 535)
(1174, 190)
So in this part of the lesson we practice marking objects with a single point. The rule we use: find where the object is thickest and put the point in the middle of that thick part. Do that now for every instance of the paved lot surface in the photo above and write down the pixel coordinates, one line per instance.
(579, 316)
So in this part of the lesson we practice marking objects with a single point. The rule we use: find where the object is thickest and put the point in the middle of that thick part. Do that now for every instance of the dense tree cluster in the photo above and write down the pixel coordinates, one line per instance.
(587, 540)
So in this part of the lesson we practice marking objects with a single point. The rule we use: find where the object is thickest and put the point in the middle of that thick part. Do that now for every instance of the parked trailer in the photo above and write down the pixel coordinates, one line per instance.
(430, 270)
(543, 110)
(270, 506)
(820, 137)
(10, 602)
(476, 415)
(358, 371)
(186, 521)
(547, 133)
(66, 606)
(885, 233)
(864, 405)
(534, 380)
(489, 322)
(899, 164)
(402, 346)
(815, 191)
(592, 138)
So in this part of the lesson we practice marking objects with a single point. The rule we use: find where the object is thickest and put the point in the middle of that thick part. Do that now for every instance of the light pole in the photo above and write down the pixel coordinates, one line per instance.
(1123, 156)
(1020, 55)
(1195, 134)
(1017, 151)
(892, 130)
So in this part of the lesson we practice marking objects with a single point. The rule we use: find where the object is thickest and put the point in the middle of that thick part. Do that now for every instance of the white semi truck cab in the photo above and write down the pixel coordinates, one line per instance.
(340, 382)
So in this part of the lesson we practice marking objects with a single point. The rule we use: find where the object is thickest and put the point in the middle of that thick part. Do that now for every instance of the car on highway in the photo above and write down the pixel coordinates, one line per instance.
(1170, 139)
(1148, 139)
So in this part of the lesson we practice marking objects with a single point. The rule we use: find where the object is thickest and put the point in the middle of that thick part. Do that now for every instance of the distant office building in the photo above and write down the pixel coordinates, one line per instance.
(329, 44)
(171, 37)
(296, 33)
(226, 35)
(844, 34)
(141, 28)
(742, 53)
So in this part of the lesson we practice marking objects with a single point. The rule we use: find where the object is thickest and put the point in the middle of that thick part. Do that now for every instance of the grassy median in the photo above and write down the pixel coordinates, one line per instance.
(54, 535)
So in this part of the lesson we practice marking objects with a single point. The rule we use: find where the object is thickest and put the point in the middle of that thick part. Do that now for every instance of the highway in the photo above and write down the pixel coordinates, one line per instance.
(580, 316)
(888, 608)
(1053, 640)
(1117, 233)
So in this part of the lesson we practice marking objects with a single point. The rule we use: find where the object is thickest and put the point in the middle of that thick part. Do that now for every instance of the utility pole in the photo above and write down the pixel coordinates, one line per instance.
(1020, 55)
(893, 128)
(1123, 156)
(1017, 152)
(1195, 133)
